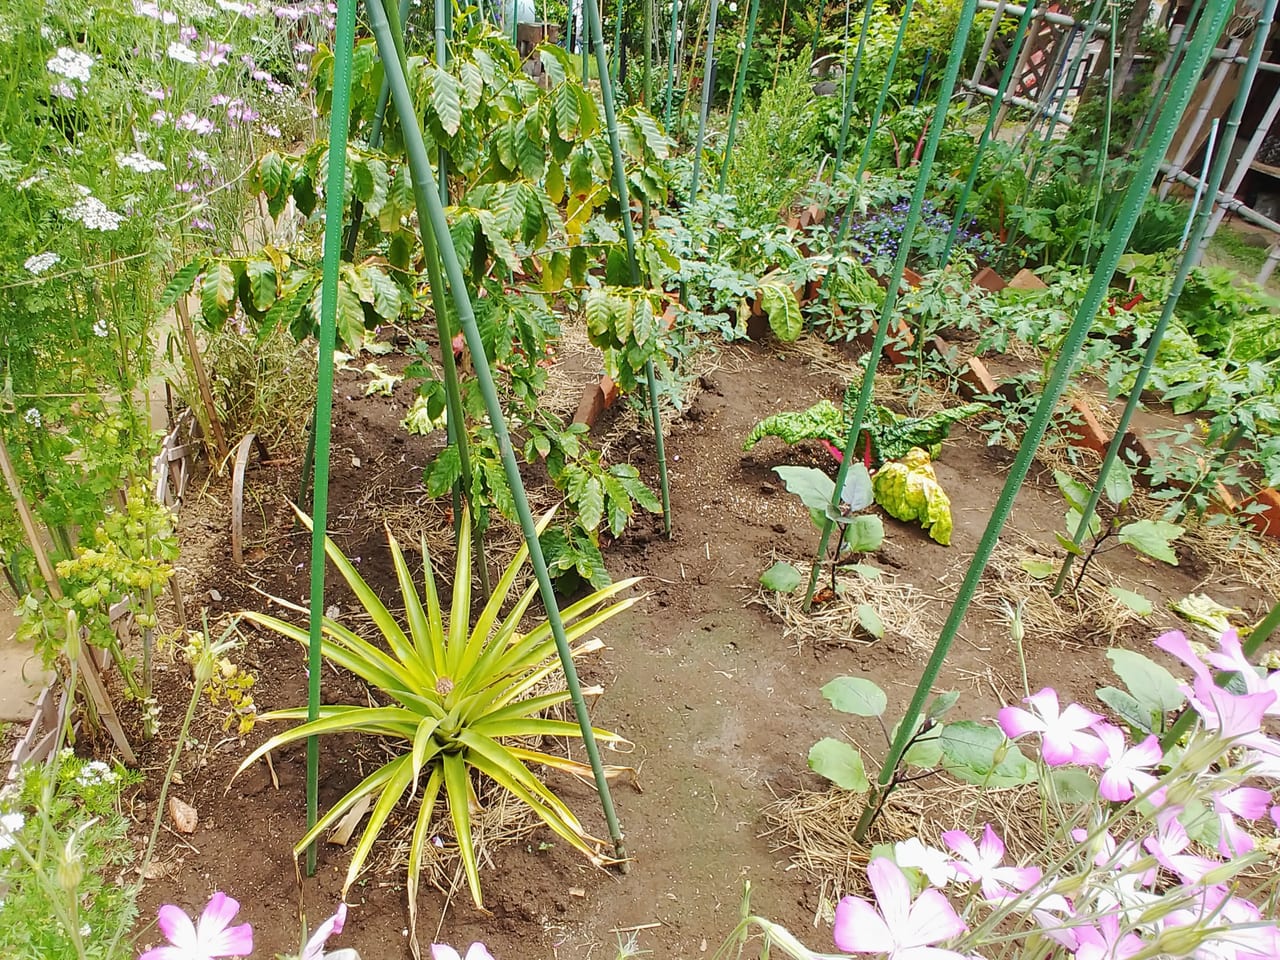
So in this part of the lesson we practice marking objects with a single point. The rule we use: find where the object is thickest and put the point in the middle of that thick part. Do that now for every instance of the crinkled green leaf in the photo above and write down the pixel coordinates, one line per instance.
(908, 490)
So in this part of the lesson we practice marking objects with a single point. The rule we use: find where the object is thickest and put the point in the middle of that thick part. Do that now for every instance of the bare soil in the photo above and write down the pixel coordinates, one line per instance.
(721, 709)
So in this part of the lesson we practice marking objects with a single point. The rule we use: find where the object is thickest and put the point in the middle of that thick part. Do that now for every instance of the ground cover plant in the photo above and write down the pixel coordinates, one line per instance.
(527, 227)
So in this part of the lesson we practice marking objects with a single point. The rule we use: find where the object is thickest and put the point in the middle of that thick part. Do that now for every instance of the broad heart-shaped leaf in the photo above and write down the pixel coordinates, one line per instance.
(781, 577)
(811, 485)
(1119, 485)
(780, 303)
(1152, 685)
(1152, 537)
(1127, 708)
(870, 621)
(856, 494)
(862, 533)
(446, 97)
(1134, 601)
(1071, 785)
(969, 751)
(942, 704)
(856, 695)
(839, 763)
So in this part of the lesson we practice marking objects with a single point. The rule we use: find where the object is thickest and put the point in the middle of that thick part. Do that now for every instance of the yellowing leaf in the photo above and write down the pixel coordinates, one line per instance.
(908, 489)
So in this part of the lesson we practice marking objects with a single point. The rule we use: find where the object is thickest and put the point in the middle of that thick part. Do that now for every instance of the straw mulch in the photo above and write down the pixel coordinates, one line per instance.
(904, 609)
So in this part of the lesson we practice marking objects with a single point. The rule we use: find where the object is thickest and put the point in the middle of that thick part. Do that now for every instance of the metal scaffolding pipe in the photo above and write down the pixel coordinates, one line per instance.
(978, 67)
(1015, 10)
(1227, 201)
(1242, 168)
(1226, 56)
(1192, 135)
(1008, 98)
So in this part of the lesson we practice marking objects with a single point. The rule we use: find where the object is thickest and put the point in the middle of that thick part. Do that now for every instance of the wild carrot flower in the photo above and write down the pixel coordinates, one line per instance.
(71, 64)
(182, 53)
(41, 262)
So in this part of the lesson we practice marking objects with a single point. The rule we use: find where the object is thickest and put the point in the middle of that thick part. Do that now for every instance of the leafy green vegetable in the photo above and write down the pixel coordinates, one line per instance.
(909, 490)
(892, 436)
(822, 421)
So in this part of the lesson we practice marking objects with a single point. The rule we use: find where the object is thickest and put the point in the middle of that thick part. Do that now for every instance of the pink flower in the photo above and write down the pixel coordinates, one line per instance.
(314, 950)
(1105, 942)
(1234, 717)
(215, 54)
(1175, 642)
(211, 937)
(187, 34)
(1063, 734)
(1168, 843)
(1124, 767)
(981, 863)
(900, 929)
(477, 951)
(1247, 802)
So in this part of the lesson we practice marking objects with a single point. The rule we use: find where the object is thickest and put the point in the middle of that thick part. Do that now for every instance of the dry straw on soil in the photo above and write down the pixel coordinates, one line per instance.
(815, 828)
(904, 609)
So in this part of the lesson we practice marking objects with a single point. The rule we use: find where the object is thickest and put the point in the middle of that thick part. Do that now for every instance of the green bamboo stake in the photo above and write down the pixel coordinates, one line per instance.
(671, 61)
(628, 232)
(1135, 196)
(997, 101)
(1072, 69)
(817, 30)
(739, 87)
(1105, 151)
(434, 222)
(442, 60)
(851, 88)
(1166, 75)
(646, 77)
(884, 90)
(339, 123)
(707, 69)
(895, 281)
(457, 432)
(1185, 265)
(616, 62)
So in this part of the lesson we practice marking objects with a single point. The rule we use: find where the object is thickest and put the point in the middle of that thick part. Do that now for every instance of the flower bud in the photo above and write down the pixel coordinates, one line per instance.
(1178, 941)
(70, 871)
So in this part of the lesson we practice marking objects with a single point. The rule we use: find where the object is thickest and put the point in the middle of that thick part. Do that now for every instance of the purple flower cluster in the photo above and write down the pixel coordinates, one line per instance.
(878, 235)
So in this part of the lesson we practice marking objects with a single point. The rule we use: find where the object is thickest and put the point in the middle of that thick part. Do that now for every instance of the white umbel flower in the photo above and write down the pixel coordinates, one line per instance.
(40, 262)
(140, 163)
(71, 63)
(94, 214)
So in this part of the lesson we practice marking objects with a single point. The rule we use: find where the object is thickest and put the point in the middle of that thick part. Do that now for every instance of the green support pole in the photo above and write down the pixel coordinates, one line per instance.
(1135, 197)
(628, 232)
(428, 202)
(452, 389)
(616, 62)
(1157, 97)
(646, 76)
(671, 61)
(739, 86)
(817, 30)
(339, 120)
(1072, 69)
(442, 60)
(884, 90)
(707, 70)
(895, 280)
(851, 88)
(997, 101)
(1185, 265)
(584, 42)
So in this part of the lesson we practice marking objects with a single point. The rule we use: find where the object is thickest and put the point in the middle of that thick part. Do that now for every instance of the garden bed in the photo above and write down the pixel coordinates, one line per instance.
(721, 703)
